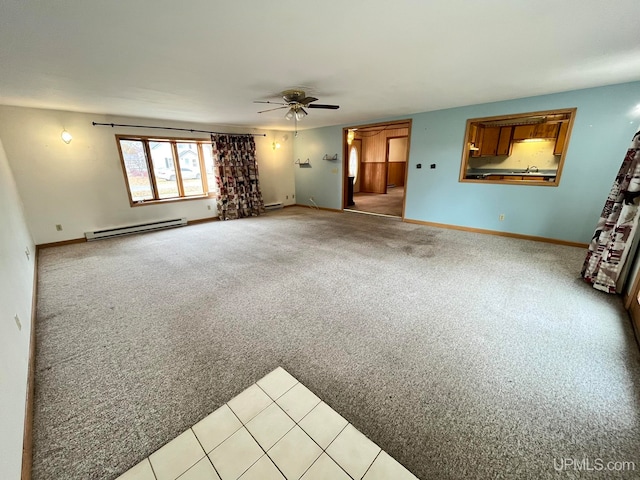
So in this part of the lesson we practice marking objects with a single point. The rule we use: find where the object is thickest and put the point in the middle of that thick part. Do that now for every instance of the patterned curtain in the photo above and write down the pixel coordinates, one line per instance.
(614, 235)
(234, 159)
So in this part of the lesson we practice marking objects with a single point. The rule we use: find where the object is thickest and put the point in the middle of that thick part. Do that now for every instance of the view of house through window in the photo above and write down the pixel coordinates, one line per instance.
(526, 149)
(159, 169)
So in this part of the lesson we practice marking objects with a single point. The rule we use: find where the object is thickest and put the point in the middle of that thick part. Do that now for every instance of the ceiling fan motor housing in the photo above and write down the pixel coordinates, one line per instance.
(293, 96)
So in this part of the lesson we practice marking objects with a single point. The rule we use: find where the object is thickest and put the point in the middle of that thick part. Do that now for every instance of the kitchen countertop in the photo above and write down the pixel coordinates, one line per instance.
(480, 174)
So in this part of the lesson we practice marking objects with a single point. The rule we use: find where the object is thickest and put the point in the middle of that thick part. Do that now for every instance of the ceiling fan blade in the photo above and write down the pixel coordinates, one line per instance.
(272, 109)
(267, 101)
(320, 105)
(306, 101)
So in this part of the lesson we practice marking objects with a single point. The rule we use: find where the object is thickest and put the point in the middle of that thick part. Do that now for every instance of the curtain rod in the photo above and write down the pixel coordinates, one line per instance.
(95, 124)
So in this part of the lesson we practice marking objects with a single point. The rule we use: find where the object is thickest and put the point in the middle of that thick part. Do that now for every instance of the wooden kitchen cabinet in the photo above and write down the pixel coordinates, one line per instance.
(545, 130)
(475, 137)
(504, 142)
(540, 130)
(492, 144)
(522, 132)
(562, 138)
(489, 145)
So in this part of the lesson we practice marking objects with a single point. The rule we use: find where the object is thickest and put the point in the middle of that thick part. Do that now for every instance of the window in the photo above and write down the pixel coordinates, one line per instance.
(166, 169)
(353, 163)
(524, 149)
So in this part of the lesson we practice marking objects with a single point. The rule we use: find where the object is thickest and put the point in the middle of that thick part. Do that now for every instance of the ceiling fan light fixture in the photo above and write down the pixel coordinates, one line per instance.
(300, 113)
(290, 114)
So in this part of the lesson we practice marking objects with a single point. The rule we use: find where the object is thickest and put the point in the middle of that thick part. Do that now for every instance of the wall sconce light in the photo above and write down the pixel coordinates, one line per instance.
(66, 137)
(275, 145)
(351, 134)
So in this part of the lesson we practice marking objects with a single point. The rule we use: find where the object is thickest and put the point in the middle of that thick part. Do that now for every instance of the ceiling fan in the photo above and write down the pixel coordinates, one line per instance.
(296, 101)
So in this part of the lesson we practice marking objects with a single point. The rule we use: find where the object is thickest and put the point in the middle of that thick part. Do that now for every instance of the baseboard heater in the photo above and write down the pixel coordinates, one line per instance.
(273, 206)
(131, 229)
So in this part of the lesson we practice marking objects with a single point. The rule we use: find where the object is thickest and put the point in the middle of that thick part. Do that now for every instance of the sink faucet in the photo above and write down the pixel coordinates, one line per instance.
(531, 169)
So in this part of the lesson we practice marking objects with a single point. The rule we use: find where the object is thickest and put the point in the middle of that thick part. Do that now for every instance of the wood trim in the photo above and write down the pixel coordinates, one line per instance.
(27, 438)
(124, 171)
(498, 233)
(627, 298)
(59, 244)
(161, 138)
(407, 123)
(171, 200)
(467, 138)
(394, 123)
(152, 174)
(203, 168)
(406, 170)
(317, 208)
(635, 323)
(176, 168)
(511, 116)
(373, 177)
(345, 169)
(565, 148)
(173, 141)
(202, 220)
(397, 173)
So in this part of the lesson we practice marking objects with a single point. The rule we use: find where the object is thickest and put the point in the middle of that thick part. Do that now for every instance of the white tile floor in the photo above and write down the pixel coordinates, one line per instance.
(276, 429)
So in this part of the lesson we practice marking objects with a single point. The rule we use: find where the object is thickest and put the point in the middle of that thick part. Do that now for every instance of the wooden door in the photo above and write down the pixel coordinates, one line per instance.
(632, 304)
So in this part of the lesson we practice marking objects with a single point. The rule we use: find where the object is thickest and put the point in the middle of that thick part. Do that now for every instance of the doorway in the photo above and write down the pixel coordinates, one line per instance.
(375, 168)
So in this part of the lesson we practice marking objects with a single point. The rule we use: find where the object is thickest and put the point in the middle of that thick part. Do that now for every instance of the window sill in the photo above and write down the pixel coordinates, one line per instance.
(172, 200)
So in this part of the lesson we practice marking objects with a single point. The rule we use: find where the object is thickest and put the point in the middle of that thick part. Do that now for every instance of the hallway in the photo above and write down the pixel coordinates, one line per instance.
(381, 203)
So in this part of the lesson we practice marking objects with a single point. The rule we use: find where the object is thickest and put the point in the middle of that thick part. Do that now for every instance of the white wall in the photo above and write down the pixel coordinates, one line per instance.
(81, 185)
(16, 294)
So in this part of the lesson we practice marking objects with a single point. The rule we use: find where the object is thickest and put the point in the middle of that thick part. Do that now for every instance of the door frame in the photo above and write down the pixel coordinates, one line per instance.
(345, 157)
(387, 162)
(632, 305)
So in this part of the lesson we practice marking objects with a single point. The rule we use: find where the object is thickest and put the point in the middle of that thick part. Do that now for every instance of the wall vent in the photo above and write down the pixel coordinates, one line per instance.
(131, 229)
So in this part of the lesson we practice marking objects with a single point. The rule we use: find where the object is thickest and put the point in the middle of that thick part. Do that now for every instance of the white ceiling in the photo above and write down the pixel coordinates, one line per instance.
(207, 60)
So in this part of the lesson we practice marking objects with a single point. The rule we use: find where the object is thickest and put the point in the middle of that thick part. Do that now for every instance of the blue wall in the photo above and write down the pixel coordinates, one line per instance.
(606, 120)
(321, 179)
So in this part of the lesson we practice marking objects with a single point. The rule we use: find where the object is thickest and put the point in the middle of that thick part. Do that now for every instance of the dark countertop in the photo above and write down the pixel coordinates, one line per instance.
(478, 173)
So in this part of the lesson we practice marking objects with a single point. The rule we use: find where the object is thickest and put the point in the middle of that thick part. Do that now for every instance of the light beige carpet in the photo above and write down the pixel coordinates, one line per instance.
(461, 355)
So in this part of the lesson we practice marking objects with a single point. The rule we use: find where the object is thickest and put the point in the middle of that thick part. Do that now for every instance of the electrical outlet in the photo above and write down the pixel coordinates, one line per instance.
(17, 319)
(501, 217)
(59, 227)
(293, 196)
(286, 197)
